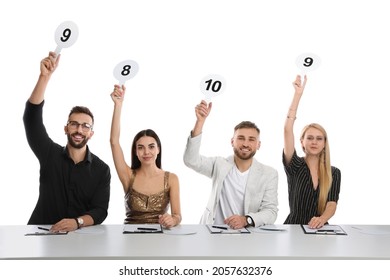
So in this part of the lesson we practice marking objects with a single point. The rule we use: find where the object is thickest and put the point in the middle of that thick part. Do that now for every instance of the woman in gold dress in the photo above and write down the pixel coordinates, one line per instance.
(149, 190)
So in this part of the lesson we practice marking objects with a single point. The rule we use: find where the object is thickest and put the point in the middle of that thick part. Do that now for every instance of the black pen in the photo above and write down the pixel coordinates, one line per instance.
(42, 228)
(225, 228)
(144, 228)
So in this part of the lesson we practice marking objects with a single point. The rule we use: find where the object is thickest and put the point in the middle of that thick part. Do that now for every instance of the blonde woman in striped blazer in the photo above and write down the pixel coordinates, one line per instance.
(313, 184)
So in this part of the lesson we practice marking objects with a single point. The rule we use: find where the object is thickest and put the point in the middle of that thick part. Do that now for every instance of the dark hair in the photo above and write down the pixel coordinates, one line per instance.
(246, 124)
(135, 162)
(81, 110)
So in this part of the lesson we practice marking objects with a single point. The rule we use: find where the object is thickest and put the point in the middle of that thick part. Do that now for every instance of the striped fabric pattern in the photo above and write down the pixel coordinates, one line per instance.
(303, 198)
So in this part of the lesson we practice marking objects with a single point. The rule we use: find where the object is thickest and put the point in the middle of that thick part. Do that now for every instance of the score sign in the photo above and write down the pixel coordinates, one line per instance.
(66, 35)
(212, 85)
(125, 70)
(308, 62)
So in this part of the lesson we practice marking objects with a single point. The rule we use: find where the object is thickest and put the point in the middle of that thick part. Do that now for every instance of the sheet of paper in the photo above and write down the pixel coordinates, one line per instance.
(368, 230)
(179, 230)
(90, 230)
(269, 229)
(142, 228)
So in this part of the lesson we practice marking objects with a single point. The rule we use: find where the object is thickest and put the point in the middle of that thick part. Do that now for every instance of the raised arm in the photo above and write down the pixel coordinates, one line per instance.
(48, 66)
(202, 110)
(192, 157)
(37, 137)
(121, 167)
(288, 151)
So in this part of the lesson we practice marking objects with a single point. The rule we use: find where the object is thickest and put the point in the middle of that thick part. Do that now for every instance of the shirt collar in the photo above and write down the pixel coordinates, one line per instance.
(88, 156)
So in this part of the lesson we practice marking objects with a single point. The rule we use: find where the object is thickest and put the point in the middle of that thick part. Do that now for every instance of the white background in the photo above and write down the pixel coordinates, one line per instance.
(252, 44)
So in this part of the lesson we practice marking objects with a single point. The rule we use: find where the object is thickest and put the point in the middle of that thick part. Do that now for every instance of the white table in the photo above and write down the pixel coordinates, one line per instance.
(108, 242)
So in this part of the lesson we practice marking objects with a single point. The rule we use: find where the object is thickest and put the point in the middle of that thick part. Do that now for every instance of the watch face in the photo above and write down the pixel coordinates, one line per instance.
(249, 220)
(81, 221)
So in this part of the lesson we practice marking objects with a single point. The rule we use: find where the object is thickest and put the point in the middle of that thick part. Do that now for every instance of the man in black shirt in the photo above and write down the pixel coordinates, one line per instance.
(74, 186)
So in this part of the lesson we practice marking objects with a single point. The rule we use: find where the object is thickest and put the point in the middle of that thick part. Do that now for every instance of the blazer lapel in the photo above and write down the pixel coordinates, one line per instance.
(254, 176)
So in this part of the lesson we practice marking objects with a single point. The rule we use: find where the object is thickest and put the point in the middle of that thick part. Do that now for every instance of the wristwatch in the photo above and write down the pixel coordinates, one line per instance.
(80, 222)
(249, 221)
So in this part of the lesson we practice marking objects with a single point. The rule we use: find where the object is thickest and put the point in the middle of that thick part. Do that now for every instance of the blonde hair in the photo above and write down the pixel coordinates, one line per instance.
(324, 167)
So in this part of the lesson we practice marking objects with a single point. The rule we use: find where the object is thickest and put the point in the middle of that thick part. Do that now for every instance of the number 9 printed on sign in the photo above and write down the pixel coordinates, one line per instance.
(125, 70)
(212, 85)
(66, 35)
(308, 62)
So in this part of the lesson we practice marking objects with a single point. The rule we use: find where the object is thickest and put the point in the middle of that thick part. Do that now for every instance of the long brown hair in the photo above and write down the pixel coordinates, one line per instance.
(324, 167)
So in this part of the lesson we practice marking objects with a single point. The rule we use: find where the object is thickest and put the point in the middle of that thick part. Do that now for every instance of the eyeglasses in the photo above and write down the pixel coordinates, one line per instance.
(84, 126)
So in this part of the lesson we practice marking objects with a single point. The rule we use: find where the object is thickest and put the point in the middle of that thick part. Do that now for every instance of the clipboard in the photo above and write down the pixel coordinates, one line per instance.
(224, 229)
(325, 230)
(46, 233)
(142, 228)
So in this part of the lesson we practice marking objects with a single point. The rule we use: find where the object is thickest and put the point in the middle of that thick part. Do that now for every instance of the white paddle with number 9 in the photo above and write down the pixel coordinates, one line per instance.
(66, 35)
(308, 62)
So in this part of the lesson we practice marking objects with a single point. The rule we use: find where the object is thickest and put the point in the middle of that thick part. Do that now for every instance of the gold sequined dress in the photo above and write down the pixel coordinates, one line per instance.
(142, 208)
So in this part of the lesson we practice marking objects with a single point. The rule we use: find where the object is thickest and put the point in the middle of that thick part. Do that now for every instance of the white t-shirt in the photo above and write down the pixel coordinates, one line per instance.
(231, 201)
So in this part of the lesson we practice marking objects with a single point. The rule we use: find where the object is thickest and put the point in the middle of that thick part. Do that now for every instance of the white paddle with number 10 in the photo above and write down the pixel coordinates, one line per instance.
(212, 85)
(66, 35)
(125, 70)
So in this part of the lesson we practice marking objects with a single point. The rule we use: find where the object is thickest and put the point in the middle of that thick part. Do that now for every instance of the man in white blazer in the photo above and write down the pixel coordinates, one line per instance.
(244, 191)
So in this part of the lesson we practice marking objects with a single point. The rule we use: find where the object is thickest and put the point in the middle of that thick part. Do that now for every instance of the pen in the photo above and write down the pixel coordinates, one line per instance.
(42, 228)
(143, 228)
(225, 228)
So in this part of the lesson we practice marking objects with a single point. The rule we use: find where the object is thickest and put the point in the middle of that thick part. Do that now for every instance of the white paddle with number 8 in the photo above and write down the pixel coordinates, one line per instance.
(125, 70)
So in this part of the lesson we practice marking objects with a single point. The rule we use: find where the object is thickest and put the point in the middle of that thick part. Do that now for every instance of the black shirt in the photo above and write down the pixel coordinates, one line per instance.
(66, 189)
(302, 197)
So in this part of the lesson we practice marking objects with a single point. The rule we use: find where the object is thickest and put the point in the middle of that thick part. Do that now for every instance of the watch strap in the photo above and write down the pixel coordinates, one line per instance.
(249, 220)
(78, 224)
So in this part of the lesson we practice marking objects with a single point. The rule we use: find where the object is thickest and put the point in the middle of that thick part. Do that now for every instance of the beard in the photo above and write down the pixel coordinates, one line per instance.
(244, 156)
(74, 144)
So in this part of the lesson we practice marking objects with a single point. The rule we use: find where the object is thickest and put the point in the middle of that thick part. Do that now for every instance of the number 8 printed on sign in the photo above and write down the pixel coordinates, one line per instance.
(125, 70)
